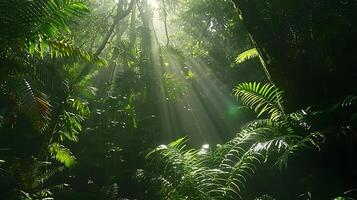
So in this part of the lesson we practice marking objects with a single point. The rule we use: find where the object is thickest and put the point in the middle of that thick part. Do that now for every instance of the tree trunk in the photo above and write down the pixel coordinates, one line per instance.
(157, 105)
(272, 50)
(309, 69)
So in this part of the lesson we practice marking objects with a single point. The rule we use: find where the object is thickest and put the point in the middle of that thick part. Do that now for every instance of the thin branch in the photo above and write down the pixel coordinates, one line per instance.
(118, 18)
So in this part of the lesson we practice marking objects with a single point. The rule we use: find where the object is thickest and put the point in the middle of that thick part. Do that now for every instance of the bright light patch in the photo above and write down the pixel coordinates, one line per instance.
(153, 3)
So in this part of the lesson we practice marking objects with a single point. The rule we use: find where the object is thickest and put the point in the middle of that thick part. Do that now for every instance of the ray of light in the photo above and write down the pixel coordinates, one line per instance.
(205, 113)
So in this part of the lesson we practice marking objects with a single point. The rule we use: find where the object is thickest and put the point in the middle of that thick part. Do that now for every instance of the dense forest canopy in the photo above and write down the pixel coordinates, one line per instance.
(178, 99)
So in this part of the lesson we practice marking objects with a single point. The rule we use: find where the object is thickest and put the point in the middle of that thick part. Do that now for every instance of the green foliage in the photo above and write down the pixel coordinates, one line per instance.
(286, 133)
(264, 197)
(343, 198)
(266, 99)
(2, 121)
(62, 154)
(33, 102)
(222, 173)
(26, 19)
(33, 28)
(70, 124)
(247, 55)
(174, 87)
(62, 48)
(32, 179)
(181, 173)
(44, 83)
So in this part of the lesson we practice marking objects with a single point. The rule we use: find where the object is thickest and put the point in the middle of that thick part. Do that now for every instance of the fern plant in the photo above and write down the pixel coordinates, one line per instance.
(31, 33)
(222, 173)
(281, 132)
(266, 99)
(181, 173)
(31, 179)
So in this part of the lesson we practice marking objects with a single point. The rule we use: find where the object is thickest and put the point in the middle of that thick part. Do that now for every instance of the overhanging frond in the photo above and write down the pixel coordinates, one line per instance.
(247, 55)
(25, 19)
(263, 99)
(34, 102)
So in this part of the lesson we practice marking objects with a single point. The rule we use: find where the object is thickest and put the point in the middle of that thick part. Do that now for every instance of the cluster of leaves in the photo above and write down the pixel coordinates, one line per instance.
(35, 57)
(222, 172)
(175, 88)
(32, 27)
(30, 179)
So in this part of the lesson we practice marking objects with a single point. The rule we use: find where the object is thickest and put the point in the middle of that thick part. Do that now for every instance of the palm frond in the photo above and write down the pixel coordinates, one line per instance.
(34, 102)
(239, 171)
(224, 173)
(247, 55)
(348, 101)
(263, 99)
(62, 47)
(30, 27)
(183, 171)
(312, 140)
(25, 19)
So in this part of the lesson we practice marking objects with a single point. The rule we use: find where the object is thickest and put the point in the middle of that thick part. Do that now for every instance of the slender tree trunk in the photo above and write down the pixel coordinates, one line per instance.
(165, 23)
(156, 101)
(276, 62)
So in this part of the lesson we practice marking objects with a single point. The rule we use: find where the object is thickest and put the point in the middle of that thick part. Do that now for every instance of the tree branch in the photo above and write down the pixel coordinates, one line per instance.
(120, 16)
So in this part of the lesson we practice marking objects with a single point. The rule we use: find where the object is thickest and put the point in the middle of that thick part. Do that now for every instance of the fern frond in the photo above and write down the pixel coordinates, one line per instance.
(61, 48)
(247, 55)
(239, 171)
(312, 140)
(263, 99)
(183, 171)
(349, 101)
(64, 48)
(34, 102)
(25, 19)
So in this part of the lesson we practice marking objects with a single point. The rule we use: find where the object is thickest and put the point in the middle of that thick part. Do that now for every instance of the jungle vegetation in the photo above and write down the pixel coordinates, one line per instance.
(178, 99)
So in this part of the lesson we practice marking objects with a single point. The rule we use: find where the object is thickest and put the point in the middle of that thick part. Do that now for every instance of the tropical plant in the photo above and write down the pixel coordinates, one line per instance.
(247, 55)
(222, 172)
(33, 27)
(30, 33)
(285, 132)
(36, 59)
(30, 179)
(264, 197)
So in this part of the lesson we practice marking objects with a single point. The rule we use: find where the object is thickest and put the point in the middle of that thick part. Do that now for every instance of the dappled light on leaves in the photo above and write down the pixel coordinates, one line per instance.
(178, 99)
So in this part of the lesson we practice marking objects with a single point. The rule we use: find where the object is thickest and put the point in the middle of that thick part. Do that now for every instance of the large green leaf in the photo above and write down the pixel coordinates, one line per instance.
(247, 55)
(263, 99)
